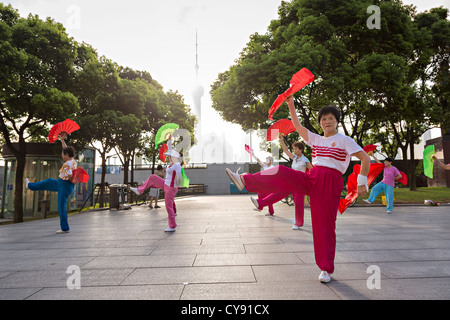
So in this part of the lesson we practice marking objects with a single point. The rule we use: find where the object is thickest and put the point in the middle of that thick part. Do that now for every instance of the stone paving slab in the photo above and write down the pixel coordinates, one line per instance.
(225, 250)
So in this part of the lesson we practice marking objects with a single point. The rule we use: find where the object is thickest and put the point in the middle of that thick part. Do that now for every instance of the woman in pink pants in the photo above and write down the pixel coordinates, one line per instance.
(300, 163)
(170, 186)
(331, 155)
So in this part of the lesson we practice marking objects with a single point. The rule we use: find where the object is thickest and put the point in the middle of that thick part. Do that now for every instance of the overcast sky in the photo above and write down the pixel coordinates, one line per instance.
(158, 36)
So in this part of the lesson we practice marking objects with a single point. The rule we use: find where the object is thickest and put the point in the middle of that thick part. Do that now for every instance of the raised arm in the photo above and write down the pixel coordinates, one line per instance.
(298, 126)
(374, 158)
(62, 139)
(285, 149)
(442, 165)
(258, 161)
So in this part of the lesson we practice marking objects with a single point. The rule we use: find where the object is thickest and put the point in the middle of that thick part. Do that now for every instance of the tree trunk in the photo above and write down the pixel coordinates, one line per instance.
(405, 158)
(412, 162)
(132, 176)
(102, 183)
(18, 192)
(126, 170)
(132, 167)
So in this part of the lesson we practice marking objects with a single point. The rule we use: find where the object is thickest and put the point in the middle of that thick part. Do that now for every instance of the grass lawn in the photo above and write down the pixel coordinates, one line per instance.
(404, 195)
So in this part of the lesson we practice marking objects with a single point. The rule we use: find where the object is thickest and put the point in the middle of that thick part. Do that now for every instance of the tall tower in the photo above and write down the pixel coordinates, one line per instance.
(196, 56)
(197, 94)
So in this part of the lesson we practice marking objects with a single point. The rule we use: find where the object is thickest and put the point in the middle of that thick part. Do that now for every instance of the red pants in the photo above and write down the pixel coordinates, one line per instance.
(169, 196)
(261, 197)
(299, 201)
(324, 187)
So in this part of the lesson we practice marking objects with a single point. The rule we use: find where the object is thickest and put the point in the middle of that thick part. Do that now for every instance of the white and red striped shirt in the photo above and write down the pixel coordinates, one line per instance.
(171, 175)
(332, 152)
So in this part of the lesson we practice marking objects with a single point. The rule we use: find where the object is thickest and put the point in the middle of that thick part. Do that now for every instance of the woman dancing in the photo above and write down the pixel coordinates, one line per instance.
(63, 185)
(387, 185)
(331, 155)
(170, 185)
(299, 163)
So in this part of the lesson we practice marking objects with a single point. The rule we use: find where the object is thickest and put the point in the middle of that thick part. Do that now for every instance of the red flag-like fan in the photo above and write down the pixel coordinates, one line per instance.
(404, 179)
(79, 176)
(352, 185)
(299, 80)
(164, 148)
(67, 126)
(249, 150)
(370, 147)
(284, 126)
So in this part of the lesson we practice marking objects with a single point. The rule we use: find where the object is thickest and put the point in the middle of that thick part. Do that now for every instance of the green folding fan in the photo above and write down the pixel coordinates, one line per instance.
(163, 132)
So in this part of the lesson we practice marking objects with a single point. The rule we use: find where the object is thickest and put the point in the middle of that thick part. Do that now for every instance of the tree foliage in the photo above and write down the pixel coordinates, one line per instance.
(47, 77)
(379, 78)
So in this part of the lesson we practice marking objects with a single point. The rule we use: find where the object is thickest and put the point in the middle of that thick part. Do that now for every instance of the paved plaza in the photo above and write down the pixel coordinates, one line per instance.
(225, 250)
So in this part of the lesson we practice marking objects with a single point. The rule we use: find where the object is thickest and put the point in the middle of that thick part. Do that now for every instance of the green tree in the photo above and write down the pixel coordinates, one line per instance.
(375, 76)
(36, 73)
(97, 82)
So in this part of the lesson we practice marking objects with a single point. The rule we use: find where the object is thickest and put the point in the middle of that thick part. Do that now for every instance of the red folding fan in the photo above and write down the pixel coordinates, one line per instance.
(248, 149)
(67, 126)
(299, 80)
(164, 148)
(284, 126)
(404, 179)
(370, 147)
(79, 176)
(352, 185)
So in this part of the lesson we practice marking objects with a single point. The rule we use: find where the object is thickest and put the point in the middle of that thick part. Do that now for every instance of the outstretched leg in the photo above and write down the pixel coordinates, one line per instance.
(280, 179)
(153, 181)
(44, 185)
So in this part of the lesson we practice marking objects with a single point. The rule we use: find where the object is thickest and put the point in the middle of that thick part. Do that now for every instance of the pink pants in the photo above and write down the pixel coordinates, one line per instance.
(299, 201)
(169, 196)
(324, 187)
(269, 204)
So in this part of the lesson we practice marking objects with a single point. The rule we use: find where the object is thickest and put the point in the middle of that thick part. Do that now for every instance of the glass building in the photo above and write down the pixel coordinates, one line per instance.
(43, 162)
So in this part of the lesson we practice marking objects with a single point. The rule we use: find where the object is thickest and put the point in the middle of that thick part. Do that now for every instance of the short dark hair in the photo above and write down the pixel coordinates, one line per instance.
(388, 159)
(70, 151)
(299, 145)
(159, 167)
(327, 110)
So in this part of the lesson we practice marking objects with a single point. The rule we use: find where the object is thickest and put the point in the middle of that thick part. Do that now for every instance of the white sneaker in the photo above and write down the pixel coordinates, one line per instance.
(295, 227)
(60, 231)
(235, 178)
(389, 212)
(324, 277)
(26, 183)
(255, 202)
(135, 190)
(170, 230)
(367, 201)
(268, 214)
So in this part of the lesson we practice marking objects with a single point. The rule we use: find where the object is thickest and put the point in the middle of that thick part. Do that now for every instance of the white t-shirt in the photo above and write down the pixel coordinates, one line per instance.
(332, 152)
(299, 164)
(171, 175)
(267, 167)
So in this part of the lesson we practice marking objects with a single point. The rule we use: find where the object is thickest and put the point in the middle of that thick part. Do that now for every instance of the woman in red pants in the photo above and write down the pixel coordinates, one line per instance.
(331, 155)
(300, 163)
